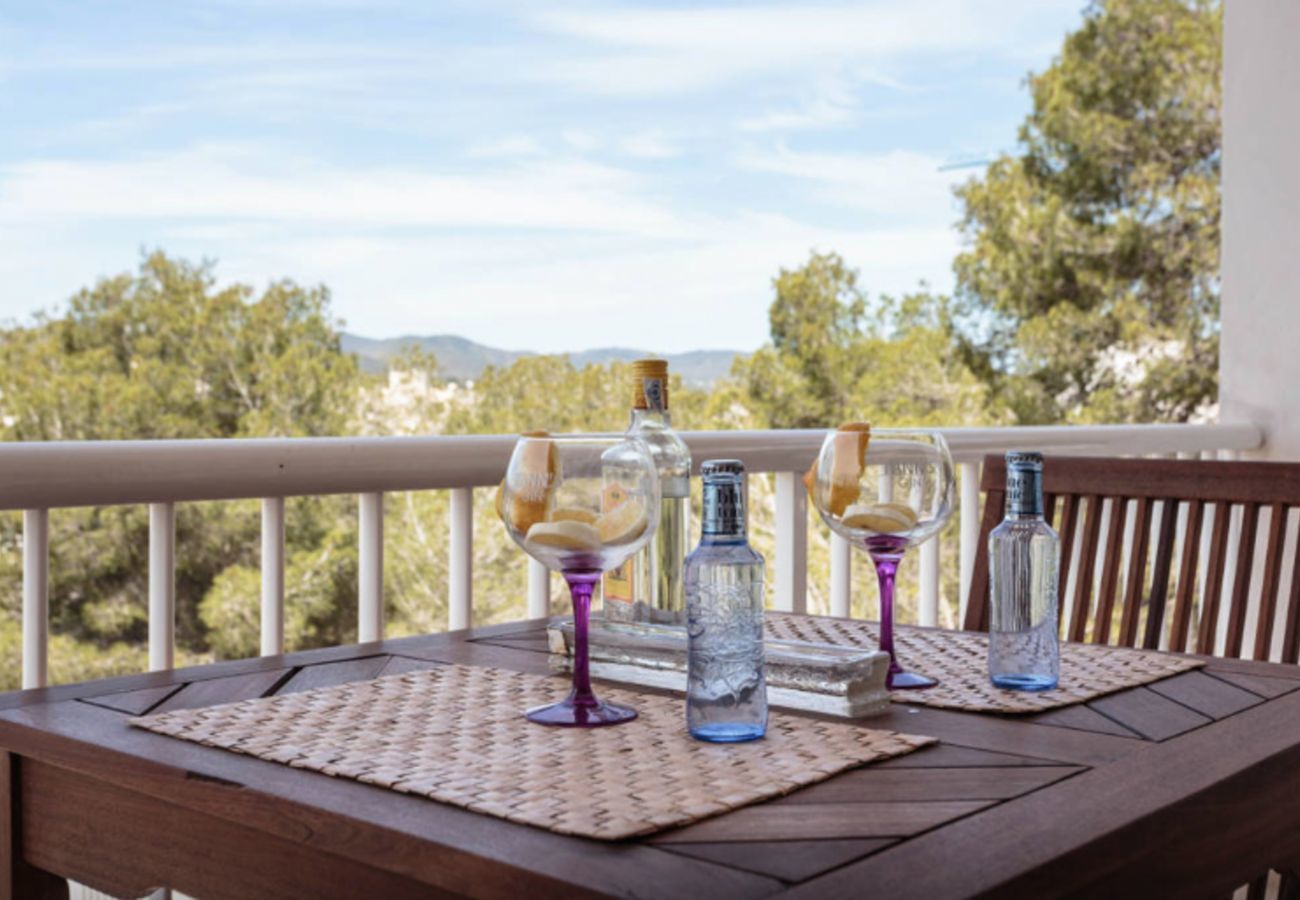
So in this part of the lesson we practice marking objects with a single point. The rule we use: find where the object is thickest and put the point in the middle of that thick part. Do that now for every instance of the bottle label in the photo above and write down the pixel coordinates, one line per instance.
(655, 396)
(617, 583)
(724, 508)
(1024, 492)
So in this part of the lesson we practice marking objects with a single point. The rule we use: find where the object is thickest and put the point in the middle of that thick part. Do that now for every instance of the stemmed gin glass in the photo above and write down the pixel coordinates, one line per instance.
(883, 491)
(580, 505)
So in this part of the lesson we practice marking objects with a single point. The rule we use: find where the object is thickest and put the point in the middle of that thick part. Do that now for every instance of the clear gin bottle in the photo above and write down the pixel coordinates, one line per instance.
(648, 587)
(1024, 648)
(726, 693)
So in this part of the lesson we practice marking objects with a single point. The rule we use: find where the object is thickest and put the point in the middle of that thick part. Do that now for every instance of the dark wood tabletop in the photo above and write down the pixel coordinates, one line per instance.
(1187, 787)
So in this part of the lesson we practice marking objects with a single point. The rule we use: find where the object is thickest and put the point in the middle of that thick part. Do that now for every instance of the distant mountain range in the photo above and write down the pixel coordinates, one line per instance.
(460, 358)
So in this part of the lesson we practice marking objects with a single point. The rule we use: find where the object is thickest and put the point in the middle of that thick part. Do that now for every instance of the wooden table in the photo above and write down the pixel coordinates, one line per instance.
(1188, 787)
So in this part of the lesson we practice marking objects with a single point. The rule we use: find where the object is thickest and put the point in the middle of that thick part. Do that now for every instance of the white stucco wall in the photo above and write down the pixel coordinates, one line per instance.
(1260, 359)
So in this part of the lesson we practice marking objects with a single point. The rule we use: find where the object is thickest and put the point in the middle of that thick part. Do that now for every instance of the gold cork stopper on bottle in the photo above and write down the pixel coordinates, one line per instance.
(650, 384)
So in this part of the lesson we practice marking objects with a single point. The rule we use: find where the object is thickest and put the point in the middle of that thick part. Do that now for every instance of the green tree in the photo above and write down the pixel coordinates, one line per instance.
(1090, 279)
(165, 353)
(835, 356)
(320, 586)
(804, 378)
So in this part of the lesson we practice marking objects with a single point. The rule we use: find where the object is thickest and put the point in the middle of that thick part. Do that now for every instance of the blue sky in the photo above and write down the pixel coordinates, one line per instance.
(547, 176)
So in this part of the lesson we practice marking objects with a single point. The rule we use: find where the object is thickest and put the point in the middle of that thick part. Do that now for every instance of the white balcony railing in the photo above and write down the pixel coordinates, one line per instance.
(41, 476)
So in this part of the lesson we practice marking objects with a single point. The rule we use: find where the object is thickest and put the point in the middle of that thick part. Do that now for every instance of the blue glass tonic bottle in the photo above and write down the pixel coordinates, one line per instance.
(726, 694)
(1024, 648)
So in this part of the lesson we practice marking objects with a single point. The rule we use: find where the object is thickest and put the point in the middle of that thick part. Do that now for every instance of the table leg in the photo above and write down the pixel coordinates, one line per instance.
(18, 880)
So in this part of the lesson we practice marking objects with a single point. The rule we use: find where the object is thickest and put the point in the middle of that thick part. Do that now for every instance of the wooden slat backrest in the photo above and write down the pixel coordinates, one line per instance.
(1136, 567)
(1114, 555)
(1272, 576)
(1220, 602)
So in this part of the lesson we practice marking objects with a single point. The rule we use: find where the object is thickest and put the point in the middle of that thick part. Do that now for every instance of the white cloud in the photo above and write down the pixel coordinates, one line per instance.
(224, 181)
(817, 114)
(509, 146)
(832, 103)
(551, 255)
(649, 145)
(642, 50)
(710, 287)
(901, 185)
(580, 139)
(779, 31)
(120, 125)
(183, 54)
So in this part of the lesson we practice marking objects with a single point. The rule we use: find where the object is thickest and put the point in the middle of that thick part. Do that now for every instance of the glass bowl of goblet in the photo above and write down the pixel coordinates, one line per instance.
(885, 490)
(580, 505)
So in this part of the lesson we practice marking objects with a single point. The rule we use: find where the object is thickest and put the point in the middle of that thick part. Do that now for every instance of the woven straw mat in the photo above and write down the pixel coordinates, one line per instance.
(958, 660)
(457, 734)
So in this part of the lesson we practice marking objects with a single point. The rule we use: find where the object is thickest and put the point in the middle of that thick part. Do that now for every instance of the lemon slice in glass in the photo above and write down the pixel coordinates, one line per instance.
(567, 535)
(903, 510)
(622, 524)
(573, 514)
(883, 518)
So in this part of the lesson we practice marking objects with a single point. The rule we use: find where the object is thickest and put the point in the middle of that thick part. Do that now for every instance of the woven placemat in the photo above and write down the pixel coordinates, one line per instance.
(457, 734)
(958, 660)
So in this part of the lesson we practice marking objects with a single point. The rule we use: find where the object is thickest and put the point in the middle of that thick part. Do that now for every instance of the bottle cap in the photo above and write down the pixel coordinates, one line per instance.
(721, 467)
(1024, 459)
(650, 384)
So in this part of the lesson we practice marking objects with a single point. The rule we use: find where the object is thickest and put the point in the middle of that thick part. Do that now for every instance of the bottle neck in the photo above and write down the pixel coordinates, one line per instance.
(724, 512)
(1024, 493)
(652, 418)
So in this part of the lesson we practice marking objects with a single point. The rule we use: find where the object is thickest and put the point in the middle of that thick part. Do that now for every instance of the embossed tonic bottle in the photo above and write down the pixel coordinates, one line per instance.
(1024, 649)
(726, 693)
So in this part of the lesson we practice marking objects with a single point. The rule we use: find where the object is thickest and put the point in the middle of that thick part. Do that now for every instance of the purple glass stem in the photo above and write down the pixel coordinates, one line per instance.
(897, 678)
(886, 569)
(581, 584)
(581, 709)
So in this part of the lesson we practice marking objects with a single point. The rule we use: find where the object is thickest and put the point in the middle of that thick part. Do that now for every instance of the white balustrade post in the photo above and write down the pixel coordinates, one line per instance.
(970, 531)
(370, 568)
(927, 612)
(36, 597)
(791, 593)
(927, 608)
(885, 489)
(841, 575)
(272, 576)
(539, 590)
(162, 586)
(460, 568)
